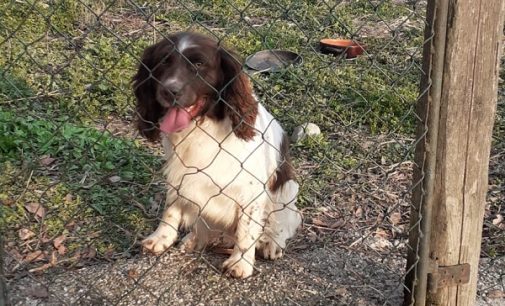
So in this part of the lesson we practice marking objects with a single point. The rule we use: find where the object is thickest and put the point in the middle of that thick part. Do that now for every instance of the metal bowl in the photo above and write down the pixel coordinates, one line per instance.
(272, 60)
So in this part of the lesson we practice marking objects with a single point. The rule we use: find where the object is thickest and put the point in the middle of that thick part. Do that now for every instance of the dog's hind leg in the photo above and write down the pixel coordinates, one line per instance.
(281, 222)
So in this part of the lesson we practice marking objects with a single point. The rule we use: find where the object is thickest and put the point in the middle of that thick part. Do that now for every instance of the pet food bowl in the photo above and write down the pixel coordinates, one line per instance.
(272, 60)
(350, 48)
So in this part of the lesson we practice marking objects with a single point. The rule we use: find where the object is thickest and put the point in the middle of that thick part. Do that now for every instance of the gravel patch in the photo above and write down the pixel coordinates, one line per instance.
(321, 275)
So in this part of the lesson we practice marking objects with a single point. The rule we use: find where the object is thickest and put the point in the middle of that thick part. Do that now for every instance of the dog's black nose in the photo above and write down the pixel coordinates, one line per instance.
(169, 92)
(174, 92)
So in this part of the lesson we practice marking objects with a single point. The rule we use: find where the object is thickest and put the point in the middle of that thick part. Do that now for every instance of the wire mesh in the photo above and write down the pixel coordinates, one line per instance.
(81, 189)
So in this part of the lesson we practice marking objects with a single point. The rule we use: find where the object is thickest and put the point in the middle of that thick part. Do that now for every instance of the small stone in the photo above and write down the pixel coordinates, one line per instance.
(46, 160)
(307, 129)
(114, 179)
(381, 244)
(498, 219)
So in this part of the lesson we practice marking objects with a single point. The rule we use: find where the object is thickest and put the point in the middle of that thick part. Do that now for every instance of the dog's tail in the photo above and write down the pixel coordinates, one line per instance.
(285, 207)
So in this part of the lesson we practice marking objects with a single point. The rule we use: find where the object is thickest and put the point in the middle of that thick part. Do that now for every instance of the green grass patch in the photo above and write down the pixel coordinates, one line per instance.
(88, 76)
(74, 187)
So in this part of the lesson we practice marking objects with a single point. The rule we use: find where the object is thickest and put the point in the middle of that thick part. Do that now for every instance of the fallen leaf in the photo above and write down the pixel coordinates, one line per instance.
(36, 208)
(395, 218)
(381, 233)
(34, 256)
(39, 292)
(62, 250)
(59, 240)
(319, 222)
(25, 234)
(498, 219)
(359, 212)
(495, 294)
(46, 160)
(132, 273)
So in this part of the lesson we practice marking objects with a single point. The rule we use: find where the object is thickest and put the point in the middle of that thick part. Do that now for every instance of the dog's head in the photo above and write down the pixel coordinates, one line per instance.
(188, 76)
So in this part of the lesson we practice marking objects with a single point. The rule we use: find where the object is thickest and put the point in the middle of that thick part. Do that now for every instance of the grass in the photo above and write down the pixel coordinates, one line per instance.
(95, 64)
(66, 67)
(67, 168)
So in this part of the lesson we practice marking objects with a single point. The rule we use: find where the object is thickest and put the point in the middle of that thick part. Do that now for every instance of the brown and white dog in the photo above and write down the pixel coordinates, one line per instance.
(227, 163)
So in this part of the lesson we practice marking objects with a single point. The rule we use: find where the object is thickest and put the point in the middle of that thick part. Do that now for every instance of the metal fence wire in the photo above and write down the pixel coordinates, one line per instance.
(82, 190)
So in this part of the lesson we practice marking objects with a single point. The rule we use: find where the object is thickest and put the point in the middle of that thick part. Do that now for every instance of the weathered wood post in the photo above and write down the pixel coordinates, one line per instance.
(457, 113)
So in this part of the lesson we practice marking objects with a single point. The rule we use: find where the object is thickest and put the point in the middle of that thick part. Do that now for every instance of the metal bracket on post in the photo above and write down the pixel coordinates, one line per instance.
(448, 276)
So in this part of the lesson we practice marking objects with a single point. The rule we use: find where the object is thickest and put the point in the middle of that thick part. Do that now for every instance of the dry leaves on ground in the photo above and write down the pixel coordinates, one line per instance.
(36, 208)
(25, 234)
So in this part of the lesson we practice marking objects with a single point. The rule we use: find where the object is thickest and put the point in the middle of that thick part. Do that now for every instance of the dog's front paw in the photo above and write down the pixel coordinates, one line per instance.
(270, 250)
(159, 241)
(188, 243)
(238, 266)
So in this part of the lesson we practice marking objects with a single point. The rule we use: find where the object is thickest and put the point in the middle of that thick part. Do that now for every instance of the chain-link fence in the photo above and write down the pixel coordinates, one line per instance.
(82, 191)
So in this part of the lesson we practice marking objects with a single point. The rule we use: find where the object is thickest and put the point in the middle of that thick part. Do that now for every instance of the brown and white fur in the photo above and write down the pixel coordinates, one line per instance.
(228, 170)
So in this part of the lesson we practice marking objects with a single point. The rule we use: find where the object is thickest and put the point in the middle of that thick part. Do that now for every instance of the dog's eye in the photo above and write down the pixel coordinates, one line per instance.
(197, 64)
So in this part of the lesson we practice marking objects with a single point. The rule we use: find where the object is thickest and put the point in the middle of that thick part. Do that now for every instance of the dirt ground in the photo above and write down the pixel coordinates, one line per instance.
(321, 274)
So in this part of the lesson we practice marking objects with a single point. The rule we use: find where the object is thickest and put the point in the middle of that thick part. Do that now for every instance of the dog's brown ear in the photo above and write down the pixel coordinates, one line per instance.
(236, 94)
(148, 110)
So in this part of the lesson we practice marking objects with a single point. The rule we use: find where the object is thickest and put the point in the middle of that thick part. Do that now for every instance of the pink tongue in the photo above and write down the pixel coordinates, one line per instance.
(176, 119)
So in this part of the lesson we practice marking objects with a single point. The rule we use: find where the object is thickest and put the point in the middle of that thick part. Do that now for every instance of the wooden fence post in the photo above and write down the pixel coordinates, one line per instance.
(472, 37)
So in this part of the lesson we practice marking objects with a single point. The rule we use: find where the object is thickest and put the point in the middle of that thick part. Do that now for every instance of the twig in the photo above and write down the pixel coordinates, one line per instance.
(26, 188)
(356, 242)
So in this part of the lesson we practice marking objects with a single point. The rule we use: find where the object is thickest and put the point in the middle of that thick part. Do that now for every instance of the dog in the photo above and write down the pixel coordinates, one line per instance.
(228, 170)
